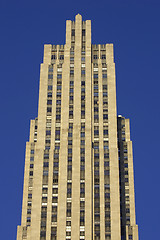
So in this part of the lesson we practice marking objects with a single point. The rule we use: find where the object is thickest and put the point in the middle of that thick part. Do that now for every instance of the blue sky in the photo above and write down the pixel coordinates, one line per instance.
(133, 28)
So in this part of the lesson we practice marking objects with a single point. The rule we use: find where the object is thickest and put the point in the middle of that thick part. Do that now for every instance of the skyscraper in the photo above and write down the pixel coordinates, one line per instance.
(78, 180)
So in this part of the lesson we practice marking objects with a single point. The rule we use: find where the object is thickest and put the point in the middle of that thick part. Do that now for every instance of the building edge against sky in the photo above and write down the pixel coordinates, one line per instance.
(78, 179)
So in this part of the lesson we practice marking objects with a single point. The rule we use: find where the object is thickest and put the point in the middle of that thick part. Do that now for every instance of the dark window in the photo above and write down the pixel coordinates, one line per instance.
(105, 132)
(83, 72)
(106, 172)
(49, 95)
(83, 32)
(32, 151)
(95, 56)
(71, 72)
(29, 195)
(31, 165)
(61, 57)
(106, 164)
(103, 57)
(73, 32)
(50, 69)
(49, 109)
(59, 76)
(50, 76)
(46, 164)
(28, 219)
(82, 134)
(49, 102)
(32, 159)
(48, 132)
(46, 156)
(106, 155)
(49, 87)
(71, 83)
(69, 134)
(31, 173)
(95, 75)
(58, 102)
(104, 75)
(53, 57)
(105, 116)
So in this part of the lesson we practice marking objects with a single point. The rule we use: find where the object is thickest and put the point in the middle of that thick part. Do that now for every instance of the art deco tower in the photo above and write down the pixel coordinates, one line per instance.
(78, 180)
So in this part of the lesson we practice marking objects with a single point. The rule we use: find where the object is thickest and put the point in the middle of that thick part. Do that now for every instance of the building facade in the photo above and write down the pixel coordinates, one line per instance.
(78, 180)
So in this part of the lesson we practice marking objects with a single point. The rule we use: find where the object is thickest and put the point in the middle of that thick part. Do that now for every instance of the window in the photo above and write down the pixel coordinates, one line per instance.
(130, 237)
(31, 173)
(46, 156)
(53, 57)
(49, 95)
(49, 87)
(106, 164)
(83, 90)
(105, 132)
(127, 210)
(82, 142)
(83, 83)
(69, 150)
(83, 72)
(72, 58)
(73, 32)
(46, 164)
(103, 56)
(48, 132)
(50, 69)
(95, 56)
(104, 75)
(95, 75)
(83, 32)
(49, 102)
(29, 195)
(31, 165)
(61, 57)
(49, 109)
(71, 72)
(28, 219)
(71, 83)
(45, 173)
(69, 134)
(71, 98)
(58, 117)
(50, 76)
(59, 76)
(82, 134)
(105, 116)
(32, 151)
(106, 155)
(126, 165)
(32, 159)
(106, 172)
(83, 59)
(96, 132)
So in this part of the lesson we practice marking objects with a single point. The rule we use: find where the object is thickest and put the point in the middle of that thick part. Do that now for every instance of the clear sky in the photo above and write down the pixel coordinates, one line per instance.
(134, 29)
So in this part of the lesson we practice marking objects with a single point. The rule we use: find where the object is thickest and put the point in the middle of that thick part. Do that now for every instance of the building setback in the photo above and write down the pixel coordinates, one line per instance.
(78, 179)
